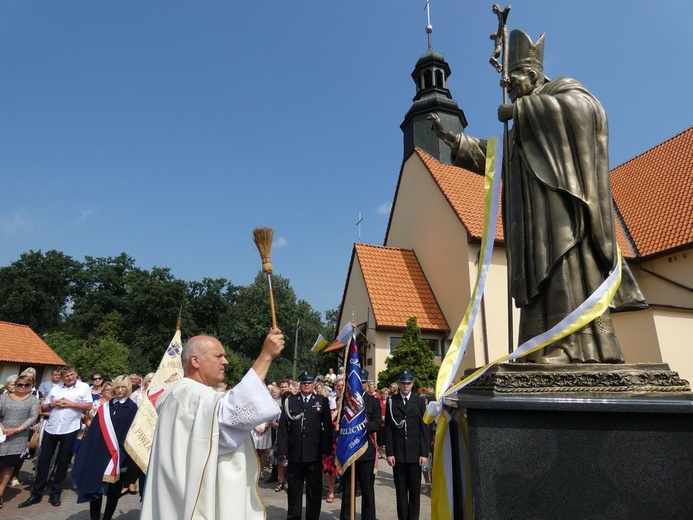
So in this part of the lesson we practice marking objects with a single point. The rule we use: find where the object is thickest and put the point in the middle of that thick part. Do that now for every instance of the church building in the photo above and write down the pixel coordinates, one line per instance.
(427, 264)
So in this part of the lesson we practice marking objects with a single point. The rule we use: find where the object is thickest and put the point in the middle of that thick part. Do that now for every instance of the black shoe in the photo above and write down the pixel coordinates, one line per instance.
(54, 501)
(33, 499)
(271, 480)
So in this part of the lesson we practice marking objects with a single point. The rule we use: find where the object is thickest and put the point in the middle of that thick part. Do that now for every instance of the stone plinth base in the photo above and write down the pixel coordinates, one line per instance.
(541, 455)
(580, 380)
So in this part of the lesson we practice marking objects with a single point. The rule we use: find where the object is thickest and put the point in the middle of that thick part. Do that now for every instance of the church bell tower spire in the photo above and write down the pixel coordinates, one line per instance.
(430, 76)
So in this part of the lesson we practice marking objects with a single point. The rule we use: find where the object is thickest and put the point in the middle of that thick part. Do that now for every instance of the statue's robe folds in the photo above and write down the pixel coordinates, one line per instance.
(560, 223)
(203, 463)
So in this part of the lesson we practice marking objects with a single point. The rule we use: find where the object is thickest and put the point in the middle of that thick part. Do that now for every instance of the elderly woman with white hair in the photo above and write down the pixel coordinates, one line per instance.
(97, 470)
(9, 384)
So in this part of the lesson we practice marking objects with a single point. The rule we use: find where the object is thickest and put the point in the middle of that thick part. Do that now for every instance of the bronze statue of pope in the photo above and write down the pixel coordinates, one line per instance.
(560, 222)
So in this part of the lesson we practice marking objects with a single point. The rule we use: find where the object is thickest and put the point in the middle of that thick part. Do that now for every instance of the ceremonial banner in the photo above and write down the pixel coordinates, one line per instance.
(320, 344)
(138, 442)
(353, 435)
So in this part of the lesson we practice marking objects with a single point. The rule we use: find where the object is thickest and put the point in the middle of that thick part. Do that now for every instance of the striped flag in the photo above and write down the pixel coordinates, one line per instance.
(353, 434)
(138, 442)
(320, 344)
(345, 333)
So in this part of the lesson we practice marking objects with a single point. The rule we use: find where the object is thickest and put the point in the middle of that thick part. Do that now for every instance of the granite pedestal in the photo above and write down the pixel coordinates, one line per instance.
(555, 456)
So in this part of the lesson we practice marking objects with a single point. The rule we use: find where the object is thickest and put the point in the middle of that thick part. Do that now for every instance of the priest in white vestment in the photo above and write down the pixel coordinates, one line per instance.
(203, 463)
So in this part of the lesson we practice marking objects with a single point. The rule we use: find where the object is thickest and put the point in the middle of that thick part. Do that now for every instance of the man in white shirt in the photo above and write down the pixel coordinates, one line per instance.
(203, 462)
(64, 403)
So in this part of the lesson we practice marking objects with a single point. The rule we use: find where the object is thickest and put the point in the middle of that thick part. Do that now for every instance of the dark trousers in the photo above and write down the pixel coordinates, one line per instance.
(51, 443)
(111, 502)
(365, 478)
(311, 473)
(407, 477)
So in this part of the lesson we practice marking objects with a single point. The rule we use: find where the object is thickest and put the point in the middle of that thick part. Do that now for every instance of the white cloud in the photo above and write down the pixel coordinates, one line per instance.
(384, 209)
(281, 242)
(86, 213)
(17, 223)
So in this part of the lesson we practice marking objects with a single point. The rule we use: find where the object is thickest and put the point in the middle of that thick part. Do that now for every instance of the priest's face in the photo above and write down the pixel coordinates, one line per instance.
(211, 363)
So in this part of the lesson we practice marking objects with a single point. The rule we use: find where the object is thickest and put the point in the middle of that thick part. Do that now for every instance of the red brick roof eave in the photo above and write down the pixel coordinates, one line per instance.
(660, 254)
(380, 323)
(420, 154)
(20, 344)
(425, 158)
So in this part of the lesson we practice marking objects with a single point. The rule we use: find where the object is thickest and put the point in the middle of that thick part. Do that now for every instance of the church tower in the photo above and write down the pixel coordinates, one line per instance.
(432, 96)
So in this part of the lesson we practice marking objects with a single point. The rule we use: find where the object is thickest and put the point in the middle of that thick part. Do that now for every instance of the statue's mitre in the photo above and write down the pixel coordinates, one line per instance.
(523, 53)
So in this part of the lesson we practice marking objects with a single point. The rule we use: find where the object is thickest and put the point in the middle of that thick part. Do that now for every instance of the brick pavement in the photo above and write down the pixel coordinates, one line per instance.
(129, 507)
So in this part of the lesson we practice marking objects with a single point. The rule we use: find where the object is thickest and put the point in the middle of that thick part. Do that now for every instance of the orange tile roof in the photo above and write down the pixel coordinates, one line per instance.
(654, 194)
(20, 344)
(464, 192)
(622, 240)
(398, 289)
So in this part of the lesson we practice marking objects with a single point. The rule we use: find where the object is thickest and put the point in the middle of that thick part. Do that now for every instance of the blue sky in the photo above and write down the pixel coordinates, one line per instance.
(168, 130)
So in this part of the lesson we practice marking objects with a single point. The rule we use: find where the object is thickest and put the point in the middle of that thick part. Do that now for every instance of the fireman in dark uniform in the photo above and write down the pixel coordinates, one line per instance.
(304, 436)
(365, 464)
(406, 445)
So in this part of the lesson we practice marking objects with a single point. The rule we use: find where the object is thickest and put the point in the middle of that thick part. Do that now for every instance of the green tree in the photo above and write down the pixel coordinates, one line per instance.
(154, 301)
(105, 354)
(209, 304)
(244, 327)
(65, 345)
(237, 367)
(101, 287)
(148, 303)
(108, 307)
(330, 359)
(411, 353)
(37, 289)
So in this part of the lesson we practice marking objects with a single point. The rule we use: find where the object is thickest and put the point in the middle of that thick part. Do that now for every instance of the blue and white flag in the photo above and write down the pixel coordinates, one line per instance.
(353, 435)
(345, 333)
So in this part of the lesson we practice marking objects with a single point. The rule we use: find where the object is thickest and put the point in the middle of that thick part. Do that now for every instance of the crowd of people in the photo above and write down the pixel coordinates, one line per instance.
(66, 420)
(293, 430)
(298, 446)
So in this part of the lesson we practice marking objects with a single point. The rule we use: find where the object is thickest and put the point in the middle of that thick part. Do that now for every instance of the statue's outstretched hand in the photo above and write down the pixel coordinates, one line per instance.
(436, 126)
(505, 112)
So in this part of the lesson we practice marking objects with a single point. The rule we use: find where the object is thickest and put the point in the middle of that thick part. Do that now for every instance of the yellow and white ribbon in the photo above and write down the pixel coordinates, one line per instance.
(492, 185)
(442, 503)
(442, 492)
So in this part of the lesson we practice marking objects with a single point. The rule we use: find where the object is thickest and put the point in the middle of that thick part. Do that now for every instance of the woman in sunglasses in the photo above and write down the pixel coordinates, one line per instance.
(97, 381)
(18, 411)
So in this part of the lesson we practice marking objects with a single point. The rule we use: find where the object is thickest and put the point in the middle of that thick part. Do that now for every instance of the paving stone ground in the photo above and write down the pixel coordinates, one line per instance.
(129, 505)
